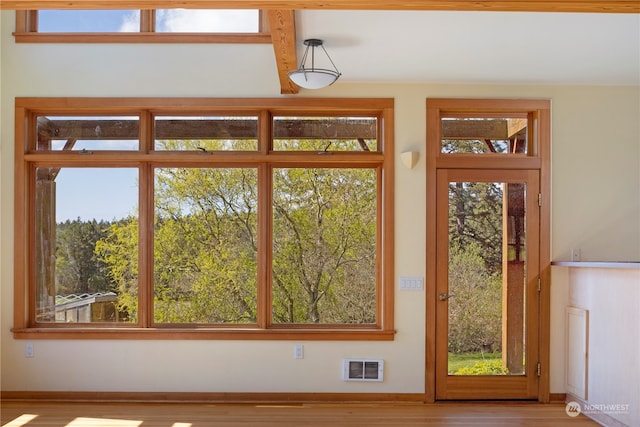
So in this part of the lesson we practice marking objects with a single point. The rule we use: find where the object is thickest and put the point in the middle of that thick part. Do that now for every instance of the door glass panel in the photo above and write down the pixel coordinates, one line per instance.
(486, 278)
(484, 135)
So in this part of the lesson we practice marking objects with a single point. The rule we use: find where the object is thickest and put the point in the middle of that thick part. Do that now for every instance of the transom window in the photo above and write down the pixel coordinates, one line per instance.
(214, 219)
(153, 25)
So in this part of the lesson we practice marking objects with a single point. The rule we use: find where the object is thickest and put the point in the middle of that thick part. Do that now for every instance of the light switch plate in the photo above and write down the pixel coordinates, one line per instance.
(411, 284)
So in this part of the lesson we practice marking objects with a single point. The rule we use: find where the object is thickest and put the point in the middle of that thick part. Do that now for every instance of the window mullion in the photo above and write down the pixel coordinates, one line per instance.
(145, 247)
(145, 225)
(263, 315)
(264, 246)
(147, 20)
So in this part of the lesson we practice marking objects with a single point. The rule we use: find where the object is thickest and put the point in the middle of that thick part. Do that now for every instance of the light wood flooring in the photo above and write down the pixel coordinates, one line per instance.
(62, 414)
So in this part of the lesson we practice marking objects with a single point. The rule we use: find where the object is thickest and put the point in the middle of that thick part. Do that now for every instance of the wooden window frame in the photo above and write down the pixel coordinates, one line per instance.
(26, 155)
(27, 32)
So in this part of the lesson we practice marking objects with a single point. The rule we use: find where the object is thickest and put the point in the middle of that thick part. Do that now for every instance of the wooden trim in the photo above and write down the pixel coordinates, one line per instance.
(124, 333)
(486, 161)
(543, 128)
(63, 105)
(147, 20)
(283, 37)
(557, 397)
(208, 397)
(433, 134)
(387, 220)
(145, 222)
(20, 256)
(21, 21)
(265, 212)
(597, 6)
(226, 38)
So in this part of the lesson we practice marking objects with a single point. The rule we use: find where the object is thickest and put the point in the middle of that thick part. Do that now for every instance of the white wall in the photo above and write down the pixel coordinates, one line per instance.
(612, 298)
(596, 205)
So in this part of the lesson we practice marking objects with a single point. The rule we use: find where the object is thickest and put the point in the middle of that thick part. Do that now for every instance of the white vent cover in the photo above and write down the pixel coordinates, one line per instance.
(362, 369)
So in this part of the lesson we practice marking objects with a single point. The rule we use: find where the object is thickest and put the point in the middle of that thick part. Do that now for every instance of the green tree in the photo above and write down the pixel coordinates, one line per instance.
(475, 266)
(324, 261)
(324, 239)
(475, 309)
(79, 269)
(475, 217)
(119, 250)
(205, 251)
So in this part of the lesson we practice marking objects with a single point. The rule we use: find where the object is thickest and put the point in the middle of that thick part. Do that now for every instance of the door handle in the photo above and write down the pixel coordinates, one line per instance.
(444, 296)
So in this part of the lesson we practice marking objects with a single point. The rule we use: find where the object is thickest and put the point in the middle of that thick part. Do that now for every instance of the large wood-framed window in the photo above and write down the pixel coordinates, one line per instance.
(204, 218)
(142, 26)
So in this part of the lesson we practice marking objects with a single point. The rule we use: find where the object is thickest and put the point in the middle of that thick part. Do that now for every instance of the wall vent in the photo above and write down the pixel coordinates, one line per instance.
(362, 369)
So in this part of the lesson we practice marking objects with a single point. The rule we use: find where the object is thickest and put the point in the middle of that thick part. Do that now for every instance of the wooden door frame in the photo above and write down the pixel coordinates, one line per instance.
(539, 112)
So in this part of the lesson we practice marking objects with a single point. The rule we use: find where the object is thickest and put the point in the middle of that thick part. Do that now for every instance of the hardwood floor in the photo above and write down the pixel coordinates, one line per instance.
(64, 414)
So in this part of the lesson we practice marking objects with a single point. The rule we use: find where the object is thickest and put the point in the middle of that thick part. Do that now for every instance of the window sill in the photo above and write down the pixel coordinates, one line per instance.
(240, 38)
(203, 334)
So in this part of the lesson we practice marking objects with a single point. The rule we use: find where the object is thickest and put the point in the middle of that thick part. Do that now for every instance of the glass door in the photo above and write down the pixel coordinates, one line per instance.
(487, 284)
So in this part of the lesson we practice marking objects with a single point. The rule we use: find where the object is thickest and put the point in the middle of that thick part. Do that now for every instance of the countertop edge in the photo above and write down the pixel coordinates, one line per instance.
(597, 264)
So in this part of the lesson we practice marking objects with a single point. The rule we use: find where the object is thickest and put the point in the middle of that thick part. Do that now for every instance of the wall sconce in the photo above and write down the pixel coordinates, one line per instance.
(410, 158)
(314, 78)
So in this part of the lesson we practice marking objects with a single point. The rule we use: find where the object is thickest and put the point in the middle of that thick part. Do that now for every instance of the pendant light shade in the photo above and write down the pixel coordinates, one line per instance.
(312, 77)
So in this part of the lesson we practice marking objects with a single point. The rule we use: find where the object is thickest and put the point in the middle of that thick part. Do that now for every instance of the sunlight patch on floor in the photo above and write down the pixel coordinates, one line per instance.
(102, 422)
(21, 420)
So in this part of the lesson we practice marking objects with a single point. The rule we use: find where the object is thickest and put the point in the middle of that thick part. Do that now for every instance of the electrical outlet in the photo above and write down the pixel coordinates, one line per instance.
(28, 350)
(298, 351)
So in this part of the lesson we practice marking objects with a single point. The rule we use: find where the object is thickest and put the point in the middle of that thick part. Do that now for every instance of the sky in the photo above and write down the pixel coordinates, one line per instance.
(167, 20)
(96, 193)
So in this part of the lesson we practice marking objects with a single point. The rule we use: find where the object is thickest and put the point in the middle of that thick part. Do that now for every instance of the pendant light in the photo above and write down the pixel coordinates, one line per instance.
(314, 78)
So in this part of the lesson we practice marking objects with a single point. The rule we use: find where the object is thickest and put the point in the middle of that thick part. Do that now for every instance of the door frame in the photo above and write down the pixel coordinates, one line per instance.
(539, 158)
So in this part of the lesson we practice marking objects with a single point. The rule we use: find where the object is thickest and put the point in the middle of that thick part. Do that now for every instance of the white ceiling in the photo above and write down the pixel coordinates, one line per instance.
(478, 47)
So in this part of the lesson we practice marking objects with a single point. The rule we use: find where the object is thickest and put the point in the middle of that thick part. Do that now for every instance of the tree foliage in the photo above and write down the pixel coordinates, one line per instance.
(205, 248)
(475, 266)
(119, 251)
(475, 309)
(475, 217)
(79, 269)
(324, 242)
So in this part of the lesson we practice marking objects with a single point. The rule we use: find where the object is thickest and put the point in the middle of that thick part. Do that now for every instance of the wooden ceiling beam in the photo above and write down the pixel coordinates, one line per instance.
(283, 38)
(596, 6)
